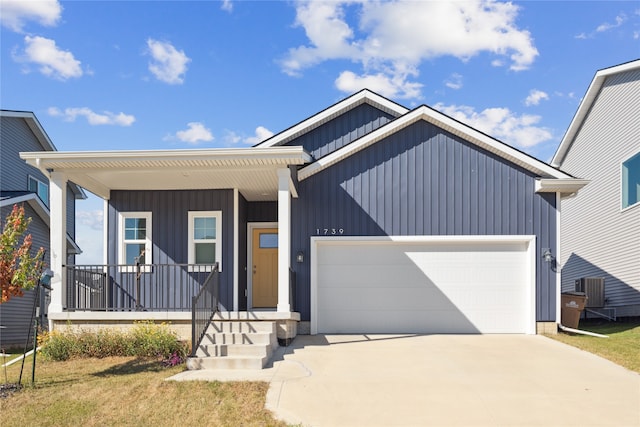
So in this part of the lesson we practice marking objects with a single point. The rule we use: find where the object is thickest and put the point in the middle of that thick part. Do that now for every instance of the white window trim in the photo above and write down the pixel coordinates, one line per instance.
(191, 258)
(622, 167)
(147, 242)
(39, 182)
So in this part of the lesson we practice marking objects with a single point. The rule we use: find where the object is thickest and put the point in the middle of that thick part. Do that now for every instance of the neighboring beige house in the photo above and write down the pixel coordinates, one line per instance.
(600, 230)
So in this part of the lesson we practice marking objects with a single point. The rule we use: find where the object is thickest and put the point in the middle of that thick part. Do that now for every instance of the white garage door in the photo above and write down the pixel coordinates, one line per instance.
(423, 285)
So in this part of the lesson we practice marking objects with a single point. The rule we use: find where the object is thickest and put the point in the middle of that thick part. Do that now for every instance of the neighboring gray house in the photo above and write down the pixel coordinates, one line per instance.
(364, 218)
(26, 185)
(601, 228)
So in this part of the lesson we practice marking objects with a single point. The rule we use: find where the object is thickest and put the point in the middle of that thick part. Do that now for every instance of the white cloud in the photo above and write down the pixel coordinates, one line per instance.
(227, 5)
(231, 138)
(535, 96)
(262, 133)
(501, 123)
(393, 38)
(454, 81)
(52, 61)
(14, 14)
(195, 134)
(92, 219)
(93, 118)
(394, 86)
(604, 27)
(168, 64)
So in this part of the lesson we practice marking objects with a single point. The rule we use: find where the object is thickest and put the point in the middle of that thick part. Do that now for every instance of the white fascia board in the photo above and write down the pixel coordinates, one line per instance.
(585, 106)
(34, 125)
(333, 111)
(43, 212)
(563, 186)
(447, 123)
(137, 158)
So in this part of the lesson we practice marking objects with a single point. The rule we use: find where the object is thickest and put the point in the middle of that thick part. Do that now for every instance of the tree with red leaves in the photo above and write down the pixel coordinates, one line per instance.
(19, 271)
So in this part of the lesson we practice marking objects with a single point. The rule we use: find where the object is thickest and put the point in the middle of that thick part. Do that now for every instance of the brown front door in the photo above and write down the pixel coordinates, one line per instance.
(265, 267)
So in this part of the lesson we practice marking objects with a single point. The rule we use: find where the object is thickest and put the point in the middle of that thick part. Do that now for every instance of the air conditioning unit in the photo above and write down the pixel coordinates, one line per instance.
(593, 287)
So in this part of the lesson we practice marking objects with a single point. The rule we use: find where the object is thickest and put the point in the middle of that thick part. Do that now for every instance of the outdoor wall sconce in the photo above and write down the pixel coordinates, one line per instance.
(547, 255)
(300, 257)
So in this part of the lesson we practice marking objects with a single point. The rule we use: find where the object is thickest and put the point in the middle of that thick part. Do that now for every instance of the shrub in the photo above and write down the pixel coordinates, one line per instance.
(144, 340)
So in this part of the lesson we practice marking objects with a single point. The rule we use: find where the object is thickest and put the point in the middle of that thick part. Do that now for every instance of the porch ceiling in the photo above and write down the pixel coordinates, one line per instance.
(253, 171)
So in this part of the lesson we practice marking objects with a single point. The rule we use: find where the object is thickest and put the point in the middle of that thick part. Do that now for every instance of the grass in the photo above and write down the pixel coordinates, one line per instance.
(622, 346)
(125, 391)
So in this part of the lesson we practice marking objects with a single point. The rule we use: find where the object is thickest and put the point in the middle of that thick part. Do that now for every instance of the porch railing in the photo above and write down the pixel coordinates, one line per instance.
(203, 308)
(154, 287)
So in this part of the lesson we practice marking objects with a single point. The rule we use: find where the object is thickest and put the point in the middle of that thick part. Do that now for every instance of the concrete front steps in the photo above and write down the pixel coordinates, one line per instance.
(236, 344)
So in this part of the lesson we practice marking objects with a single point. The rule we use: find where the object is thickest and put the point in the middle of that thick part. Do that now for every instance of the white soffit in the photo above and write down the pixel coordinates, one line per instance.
(364, 96)
(251, 170)
(562, 186)
(450, 125)
(585, 107)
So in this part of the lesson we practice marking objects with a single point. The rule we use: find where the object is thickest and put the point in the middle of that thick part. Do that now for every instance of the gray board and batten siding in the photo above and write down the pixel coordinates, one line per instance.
(341, 131)
(600, 238)
(169, 209)
(422, 180)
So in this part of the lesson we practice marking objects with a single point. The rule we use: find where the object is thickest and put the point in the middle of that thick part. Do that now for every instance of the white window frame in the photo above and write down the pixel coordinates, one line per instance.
(622, 184)
(148, 245)
(191, 258)
(38, 184)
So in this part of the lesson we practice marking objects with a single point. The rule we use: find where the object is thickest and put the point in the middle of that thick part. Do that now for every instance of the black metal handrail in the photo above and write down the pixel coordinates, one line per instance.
(203, 308)
(148, 287)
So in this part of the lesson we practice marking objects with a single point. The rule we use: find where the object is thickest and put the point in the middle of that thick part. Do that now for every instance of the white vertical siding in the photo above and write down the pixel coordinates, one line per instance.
(599, 238)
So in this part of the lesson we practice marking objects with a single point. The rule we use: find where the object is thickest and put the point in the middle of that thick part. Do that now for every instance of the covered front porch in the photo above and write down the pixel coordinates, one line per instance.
(163, 191)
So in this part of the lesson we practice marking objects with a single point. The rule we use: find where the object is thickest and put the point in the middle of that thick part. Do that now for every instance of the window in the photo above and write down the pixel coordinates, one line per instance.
(268, 240)
(40, 188)
(631, 181)
(205, 238)
(135, 237)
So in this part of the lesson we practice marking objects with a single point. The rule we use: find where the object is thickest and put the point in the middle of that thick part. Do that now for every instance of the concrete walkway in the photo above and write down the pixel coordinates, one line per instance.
(442, 380)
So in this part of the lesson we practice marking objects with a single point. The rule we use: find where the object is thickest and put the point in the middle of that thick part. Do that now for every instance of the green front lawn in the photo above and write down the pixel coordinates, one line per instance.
(622, 346)
(126, 391)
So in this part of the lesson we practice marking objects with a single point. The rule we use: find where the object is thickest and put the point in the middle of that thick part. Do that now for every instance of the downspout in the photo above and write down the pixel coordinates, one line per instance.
(578, 331)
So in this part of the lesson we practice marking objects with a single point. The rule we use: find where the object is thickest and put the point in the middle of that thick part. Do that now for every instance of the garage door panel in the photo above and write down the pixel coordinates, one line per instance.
(372, 276)
(402, 298)
(405, 321)
(357, 254)
(461, 287)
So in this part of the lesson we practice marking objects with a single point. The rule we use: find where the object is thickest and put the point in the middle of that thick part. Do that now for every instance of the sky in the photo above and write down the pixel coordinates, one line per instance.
(119, 75)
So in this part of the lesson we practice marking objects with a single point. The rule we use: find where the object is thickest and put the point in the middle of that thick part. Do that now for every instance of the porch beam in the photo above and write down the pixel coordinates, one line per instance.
(58, 239)
(284, 238)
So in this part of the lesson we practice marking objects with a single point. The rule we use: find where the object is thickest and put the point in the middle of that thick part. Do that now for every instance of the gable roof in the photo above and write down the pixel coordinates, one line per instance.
(585, 106)
(38, 131)
(447, 123)
(324, 116)
(10, 198)
(34, 125)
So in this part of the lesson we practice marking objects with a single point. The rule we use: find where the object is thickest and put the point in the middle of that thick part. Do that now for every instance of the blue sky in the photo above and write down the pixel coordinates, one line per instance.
(159, 74)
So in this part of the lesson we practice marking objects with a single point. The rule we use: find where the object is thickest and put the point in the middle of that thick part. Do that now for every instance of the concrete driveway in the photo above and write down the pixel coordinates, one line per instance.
(443, 380)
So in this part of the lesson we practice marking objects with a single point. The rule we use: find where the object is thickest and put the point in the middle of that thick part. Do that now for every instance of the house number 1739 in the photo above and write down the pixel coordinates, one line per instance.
(329, 231)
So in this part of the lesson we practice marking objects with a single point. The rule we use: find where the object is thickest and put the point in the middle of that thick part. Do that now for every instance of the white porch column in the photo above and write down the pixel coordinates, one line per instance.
(58, 239)
(284, 238)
